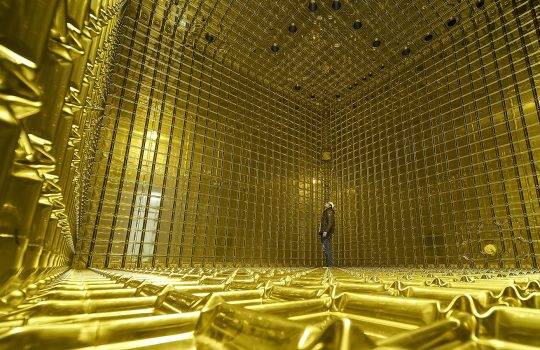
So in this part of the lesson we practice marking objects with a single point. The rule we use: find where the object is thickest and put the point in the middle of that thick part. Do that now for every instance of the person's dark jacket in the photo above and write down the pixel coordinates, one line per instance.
(327, 221)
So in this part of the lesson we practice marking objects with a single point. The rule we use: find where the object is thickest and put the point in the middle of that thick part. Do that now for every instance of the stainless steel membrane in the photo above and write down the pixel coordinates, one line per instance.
(271, 308)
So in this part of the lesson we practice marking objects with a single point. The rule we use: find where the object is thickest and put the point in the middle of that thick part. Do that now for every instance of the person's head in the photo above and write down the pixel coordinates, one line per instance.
(328, 205)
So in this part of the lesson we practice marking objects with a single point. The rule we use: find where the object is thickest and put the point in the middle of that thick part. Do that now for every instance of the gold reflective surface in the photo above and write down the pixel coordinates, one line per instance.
(278, 308)
(55, 58)
(437, 164)
(196, 162)
(163, 166)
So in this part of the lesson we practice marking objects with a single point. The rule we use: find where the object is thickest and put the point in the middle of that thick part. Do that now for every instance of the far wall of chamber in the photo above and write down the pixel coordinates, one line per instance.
(437, 163)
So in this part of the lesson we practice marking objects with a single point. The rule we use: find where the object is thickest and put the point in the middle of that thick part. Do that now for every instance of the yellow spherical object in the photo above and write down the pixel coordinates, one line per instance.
(490, 249)
(31, 290)
(14, 298)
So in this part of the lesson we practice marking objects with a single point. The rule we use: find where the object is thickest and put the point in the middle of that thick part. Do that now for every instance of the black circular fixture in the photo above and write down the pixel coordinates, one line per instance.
(312, 6)
(376, 43)
(382, 66)
(297, 87)
(428, 37)
(480, 3)
(209, 37)
(293, 28)
(406, 51)
(338, 96)
(274, 48)
(364, 78)
(451, 22)
(312, 97)
(370, 74)
(336, 4)
(357, 24)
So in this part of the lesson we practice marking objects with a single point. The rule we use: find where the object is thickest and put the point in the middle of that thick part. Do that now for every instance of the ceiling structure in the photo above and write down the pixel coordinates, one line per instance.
(321, 50)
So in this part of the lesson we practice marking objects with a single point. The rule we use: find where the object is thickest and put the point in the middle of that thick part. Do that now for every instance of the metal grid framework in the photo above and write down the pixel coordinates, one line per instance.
(198, 164)
(326, 56)
(437, 165)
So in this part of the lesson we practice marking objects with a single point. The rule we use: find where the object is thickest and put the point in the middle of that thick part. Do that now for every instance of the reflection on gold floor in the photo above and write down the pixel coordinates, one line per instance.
(276, 308)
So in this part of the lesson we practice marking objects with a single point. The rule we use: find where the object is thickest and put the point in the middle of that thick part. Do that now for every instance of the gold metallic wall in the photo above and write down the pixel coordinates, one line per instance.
(182, 150)
(198, 162)
(54, 59)
(436, 162)
(131, 138)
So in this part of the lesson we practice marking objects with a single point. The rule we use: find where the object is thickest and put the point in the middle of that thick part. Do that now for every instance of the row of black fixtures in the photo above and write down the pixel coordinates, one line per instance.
(312, 6)
(336, 5)
(376, 43)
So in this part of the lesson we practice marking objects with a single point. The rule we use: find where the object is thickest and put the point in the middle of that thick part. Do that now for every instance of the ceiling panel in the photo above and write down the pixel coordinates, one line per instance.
(327, 56)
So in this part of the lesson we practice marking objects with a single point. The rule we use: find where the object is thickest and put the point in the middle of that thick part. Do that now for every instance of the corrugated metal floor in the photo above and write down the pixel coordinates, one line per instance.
(278, 308)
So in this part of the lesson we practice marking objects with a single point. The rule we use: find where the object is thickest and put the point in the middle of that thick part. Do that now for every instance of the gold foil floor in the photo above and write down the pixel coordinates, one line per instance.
(276, 308)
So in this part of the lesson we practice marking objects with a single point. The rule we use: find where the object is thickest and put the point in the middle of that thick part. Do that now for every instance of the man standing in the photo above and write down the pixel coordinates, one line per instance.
(327, 228)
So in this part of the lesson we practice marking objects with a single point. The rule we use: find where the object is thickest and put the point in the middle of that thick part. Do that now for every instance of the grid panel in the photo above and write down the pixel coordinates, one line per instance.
(437, 165)
(201, 165)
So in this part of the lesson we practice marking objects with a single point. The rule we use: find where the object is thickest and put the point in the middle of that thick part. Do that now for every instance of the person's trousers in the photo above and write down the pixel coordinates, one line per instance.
(327, 251)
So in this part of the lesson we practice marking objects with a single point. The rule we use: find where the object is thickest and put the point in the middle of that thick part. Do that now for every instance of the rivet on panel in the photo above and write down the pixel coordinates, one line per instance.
(209, 37)
(451, 22)
(312, 6)
(293, 28)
